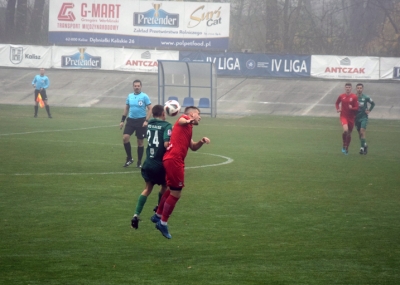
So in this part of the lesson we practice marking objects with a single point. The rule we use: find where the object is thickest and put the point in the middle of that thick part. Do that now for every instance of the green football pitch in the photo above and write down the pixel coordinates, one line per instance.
(272, 200)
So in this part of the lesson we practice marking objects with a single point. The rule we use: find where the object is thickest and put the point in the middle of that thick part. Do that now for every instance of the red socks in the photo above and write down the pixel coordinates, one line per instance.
(166, 206)
(169, 206)
(348, 141)
(344, 139)
(162, 201)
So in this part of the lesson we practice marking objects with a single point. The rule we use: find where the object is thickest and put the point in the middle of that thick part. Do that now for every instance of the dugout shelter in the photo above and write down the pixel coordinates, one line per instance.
(190, 83)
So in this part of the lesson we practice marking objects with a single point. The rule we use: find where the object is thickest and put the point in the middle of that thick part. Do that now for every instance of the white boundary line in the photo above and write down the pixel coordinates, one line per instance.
(227, 161)
(50, 131)
(332, 128)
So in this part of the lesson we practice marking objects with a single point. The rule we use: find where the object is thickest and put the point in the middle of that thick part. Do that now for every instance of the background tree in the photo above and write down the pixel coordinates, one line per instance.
(387, 39)
(21, 21)
(36, 23)
(272, 42)
(10, 20)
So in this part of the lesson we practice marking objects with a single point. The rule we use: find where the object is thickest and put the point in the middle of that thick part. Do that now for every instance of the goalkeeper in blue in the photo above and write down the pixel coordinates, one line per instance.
(362, 116)
(158, 137)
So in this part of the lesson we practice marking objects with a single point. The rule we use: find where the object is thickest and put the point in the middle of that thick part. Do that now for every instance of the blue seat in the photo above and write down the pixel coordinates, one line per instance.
(204, 103)
(173, 98)
(188, 101)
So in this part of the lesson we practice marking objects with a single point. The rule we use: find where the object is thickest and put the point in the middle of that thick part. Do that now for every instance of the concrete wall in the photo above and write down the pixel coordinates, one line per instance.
(236, 96)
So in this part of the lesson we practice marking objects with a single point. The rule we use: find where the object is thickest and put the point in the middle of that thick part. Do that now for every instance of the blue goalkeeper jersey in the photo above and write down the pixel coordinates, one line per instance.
(137, 105)
(41, 82)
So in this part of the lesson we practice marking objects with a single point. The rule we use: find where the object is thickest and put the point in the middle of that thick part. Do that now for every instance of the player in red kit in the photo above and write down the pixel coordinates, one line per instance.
(347, 106)
(174, 164)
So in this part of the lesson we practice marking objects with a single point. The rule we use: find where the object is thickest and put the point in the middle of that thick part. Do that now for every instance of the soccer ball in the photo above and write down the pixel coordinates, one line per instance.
(172, 108)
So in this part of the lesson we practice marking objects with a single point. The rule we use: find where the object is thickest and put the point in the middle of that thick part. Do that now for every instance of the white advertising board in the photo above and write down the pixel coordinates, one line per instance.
(83, 58)
(390, 67)
(135, 24)
(25, 56)
(142, 60)
(344, 67)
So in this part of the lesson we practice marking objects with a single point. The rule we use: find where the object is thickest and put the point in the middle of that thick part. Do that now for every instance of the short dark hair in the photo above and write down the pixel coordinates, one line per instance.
(360, 84)
(348, 84)
(137, 80)
(157, 111)
(187, 109)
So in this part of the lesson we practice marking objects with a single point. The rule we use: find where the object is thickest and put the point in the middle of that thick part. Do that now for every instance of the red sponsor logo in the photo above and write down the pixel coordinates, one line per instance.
(345, 70)
(141, 63)
(65, 14)
(100, 10)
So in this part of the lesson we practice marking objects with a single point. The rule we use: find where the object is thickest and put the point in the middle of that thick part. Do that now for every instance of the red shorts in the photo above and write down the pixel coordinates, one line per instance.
(348, 122)
(174, 174)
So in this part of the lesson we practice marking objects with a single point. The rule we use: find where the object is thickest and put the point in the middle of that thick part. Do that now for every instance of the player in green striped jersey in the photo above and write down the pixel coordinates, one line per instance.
(158, 137)
(362, 116)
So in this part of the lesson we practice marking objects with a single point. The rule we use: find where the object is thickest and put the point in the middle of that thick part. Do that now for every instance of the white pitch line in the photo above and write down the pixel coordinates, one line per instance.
(228, 160)
(74, 142)
(50, 131)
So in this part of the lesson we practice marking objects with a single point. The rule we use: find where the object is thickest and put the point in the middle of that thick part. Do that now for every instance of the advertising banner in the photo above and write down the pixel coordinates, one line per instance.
(142, 60)
(25, 56)
(126, 23)
(390, 67)
(253, 65)
(344, 67)
(83, 58)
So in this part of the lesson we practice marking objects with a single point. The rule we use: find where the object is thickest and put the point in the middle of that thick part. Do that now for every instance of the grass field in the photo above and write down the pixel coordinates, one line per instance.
(272, 200)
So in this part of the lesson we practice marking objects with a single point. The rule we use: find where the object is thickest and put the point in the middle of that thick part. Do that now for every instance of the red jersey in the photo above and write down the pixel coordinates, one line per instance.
(345, 101)
(180, 140)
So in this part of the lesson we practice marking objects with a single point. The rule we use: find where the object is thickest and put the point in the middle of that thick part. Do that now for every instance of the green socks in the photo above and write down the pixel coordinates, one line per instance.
(363, 142)
(140, 204)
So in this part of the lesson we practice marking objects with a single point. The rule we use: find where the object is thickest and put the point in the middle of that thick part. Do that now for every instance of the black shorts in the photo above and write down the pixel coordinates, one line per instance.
(135, 125)
(153, 174)
(42, 93)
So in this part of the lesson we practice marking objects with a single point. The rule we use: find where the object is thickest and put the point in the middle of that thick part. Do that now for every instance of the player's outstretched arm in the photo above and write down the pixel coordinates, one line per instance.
(184, 121)
(196, 145)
